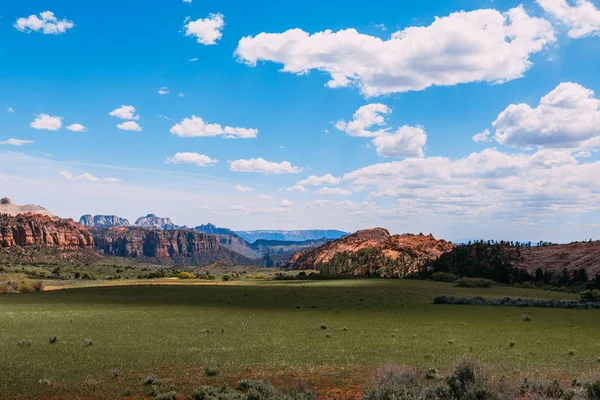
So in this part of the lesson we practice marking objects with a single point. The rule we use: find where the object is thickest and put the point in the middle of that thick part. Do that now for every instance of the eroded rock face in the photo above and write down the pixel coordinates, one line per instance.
(184, 247)
(35, 229)
(153, 221)
(102, 221)
(396, 255)
(10, 208)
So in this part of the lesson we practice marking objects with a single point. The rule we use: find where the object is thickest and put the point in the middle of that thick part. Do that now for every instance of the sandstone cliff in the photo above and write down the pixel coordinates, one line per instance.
(154, 222)
(102, 221)
(33, 229)
(10, 208)
(184, 247)
(372, 252)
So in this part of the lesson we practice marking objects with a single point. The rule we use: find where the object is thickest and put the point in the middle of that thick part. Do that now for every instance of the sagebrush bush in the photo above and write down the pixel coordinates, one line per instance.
(88, 343)
(172, 395)
(25, 287)
(474, 282)
(211, 371)
(52, 339)
(151, 380)
(186, 275)
(38, 286)
(214, 393)
(393, 382)
(590, 296)
(5, 288)
(24, 343)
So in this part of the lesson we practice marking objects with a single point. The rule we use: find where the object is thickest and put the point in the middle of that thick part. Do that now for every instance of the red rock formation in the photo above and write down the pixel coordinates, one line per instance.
(35, 229)
(170, 247)
(410, 251)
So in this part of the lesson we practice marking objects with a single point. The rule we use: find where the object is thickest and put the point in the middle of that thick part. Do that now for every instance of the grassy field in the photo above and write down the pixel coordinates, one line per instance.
(274, 329)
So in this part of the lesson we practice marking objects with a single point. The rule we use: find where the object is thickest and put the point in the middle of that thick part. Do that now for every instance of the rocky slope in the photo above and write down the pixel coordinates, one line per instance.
(184, 247)
(295, 236)
(154, 222)
(33, 229)
(557, 257)
(102, 221)
(10, 208)
(214, 230)
(372, 252)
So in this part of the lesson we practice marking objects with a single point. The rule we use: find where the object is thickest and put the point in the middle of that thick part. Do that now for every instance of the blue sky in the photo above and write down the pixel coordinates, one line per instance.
(407, 162)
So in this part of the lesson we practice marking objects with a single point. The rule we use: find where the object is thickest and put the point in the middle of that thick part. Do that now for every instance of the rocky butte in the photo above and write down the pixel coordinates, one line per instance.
(102, 221)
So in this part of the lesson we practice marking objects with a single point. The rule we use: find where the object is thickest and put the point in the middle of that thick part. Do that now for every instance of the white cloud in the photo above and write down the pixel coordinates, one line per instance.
(261, 165)
(112, 180)
(265, 197)
(83, 177)
(314, 180)
(125, 112)
(206, 30)
(565, 118)
(297, 188)
(482, 136)
(327, 191)
(193, 59)
(365, 118)
(10, 110)
(130, 126)
(583, 19)
(181, 94)
(76, 128)
(200, 160)
(196, 127)
(481, 45)
(16, 142)
(163, 90)
(286, 203)
(407, 141)
(187, 1)
(45, 121)
(163, 117)
(241, 188)
(47, 23)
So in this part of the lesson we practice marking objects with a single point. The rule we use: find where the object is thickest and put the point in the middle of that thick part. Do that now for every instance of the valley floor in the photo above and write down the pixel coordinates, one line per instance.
(331, 335)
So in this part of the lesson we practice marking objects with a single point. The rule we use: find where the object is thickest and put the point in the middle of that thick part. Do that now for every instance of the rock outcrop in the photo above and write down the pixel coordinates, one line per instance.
(372, 252)
(293, 236)
(10, 208)
(154, 222)
(184, 247)
(102, 221)
(34, 229)
(214, 230)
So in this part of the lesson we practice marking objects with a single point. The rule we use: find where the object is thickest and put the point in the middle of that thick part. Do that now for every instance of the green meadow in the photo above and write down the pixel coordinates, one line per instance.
(324, 333)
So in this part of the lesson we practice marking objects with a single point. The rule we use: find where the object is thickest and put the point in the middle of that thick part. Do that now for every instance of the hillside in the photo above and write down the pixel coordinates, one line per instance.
(372, 252)
(10, 208)
(293, 236)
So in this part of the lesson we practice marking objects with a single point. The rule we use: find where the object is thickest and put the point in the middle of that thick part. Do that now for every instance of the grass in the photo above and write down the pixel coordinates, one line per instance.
(274, 329)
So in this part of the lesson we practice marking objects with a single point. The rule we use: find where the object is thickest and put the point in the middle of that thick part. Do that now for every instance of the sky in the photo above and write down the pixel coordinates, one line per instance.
(462, 118)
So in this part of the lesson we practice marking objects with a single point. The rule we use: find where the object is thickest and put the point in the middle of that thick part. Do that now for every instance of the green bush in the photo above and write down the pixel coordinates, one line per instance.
(443, 277)
(227, 277)
(394, 383)
(474, 282)
(6, 288)
(211, 371)
(214, 393)
(25, 287)
(590, 296)
(172, 395)
(38, 286)
(186, 275)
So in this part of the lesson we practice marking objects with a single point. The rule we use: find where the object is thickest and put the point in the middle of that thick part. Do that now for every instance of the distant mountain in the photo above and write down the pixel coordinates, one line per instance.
(292, 236)
(213, 230)
(10, 208)
(152, 221)
(372, 252)
(102, 221)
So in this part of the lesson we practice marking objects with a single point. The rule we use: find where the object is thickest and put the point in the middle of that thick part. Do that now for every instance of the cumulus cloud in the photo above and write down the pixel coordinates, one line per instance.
(46, 23)
(480, 45)
(193, 59)
(16, 142)
(187, 1)
(125, 112)
(181, 94)
(565, 118)
(10, 110)
(241, 188)
(327, 191)
(407, 141)
(297, 188)
(206, 30)
(263, 166)
(582, 18)
(45, 121)
(112, 180)
(196, 127)
(76, 128)
(200, 160)
(314, 180)
(83, 177)
(129, 126)
(286, 203)
(163, 90)
(265, 197)
(482, 136)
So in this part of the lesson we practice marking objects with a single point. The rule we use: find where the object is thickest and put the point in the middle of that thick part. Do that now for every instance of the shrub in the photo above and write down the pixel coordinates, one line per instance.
(323, 326)
(469, 381)
(526, 318)
(88, 343)
(25, 287)
(213, 393)
(443, 277)
(394, 383)
(186, 275)
(227, 277)
(211, 371)
(593, 389)
(172, 395)
(151, 380)
(52, 339)
(572, 352)
(24, 343)
(474, 282)
(5, 288)
(38, 286)
(590, 296)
